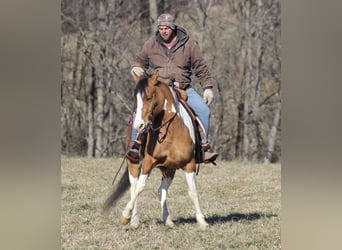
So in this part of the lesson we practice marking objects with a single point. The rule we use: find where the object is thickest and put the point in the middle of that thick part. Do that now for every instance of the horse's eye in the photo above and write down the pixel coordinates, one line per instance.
(149, 98)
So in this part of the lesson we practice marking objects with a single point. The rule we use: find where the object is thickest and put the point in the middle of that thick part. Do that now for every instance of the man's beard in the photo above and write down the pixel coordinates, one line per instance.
(169, 38)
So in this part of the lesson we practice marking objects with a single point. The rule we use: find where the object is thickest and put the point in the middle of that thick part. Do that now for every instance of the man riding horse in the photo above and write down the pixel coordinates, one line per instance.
(174, 55)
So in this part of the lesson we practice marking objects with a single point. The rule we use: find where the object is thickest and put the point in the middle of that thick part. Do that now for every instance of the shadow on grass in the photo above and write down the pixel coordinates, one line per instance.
(214, 219)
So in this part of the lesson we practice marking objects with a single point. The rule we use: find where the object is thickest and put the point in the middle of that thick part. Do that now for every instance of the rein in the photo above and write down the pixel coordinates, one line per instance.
(150, 123)
(162, 125)
(116, 175)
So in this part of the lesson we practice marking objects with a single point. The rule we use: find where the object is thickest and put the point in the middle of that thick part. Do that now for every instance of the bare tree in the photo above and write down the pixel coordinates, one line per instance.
(273, 133)
(258, 39)
(247, 82)
(153, 13)
(202, 13)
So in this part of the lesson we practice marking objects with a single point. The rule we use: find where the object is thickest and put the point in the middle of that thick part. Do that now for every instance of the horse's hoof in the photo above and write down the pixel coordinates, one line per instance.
(169, 223)
(135, 225)
(124, 220)
(203, 226)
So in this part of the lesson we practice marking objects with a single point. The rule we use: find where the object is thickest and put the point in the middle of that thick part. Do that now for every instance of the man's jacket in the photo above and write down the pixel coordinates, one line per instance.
(177, 63)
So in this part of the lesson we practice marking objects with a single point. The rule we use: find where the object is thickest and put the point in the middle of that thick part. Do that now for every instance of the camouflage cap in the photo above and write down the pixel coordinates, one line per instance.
(167, 20)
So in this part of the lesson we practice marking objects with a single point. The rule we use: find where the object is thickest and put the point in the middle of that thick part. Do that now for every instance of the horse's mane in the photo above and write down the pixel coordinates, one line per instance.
(141, 86)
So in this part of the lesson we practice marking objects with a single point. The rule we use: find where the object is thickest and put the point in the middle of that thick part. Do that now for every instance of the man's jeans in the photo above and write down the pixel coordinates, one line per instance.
(201, 109)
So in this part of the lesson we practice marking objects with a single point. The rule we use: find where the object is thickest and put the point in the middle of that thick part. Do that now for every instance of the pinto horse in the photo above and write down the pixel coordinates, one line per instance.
(170, 145)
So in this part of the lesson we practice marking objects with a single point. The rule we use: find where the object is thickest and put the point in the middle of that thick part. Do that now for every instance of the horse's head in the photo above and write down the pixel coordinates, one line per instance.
(149, 104)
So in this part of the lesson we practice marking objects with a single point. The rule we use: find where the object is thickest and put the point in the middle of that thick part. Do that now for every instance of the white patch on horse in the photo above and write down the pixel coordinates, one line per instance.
(185, 116)
(191, 180)
(165, 105)
(134, 180)
(138, 121)
(187, 120)
(172, 110)
(140, 184)
(162, 191)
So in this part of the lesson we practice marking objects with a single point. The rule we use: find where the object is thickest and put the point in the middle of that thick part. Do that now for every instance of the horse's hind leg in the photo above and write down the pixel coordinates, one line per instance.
(191, 180)
(162, 191)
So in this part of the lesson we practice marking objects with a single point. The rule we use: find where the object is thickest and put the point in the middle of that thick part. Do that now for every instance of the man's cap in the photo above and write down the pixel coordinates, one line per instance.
(167, 20)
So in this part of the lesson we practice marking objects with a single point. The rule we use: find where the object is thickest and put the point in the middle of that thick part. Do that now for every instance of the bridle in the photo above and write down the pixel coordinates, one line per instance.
(150, 115)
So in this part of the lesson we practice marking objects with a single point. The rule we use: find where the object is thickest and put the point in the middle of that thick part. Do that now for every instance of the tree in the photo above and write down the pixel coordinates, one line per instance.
(272, 136)
(153, 14)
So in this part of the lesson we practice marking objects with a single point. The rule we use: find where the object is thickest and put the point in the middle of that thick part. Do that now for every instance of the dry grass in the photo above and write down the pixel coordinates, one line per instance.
(241, 203)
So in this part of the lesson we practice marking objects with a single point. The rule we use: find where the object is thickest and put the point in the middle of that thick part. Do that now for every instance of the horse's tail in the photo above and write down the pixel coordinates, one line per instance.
(117, 192)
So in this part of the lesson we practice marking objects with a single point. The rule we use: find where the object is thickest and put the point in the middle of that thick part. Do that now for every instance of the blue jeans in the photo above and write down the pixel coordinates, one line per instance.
(201, 109)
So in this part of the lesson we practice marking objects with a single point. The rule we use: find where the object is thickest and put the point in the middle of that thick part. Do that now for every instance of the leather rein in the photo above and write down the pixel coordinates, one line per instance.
(150, 116)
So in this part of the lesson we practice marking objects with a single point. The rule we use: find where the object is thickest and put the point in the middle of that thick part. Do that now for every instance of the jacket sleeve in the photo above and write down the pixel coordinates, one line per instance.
(200, 66)
(141, 60)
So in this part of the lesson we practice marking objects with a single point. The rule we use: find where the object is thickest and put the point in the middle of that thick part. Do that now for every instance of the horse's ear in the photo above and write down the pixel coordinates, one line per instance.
(136, 77)
(154, 77)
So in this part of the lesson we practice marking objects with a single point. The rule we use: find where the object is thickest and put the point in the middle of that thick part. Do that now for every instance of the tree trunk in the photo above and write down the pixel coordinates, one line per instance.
(272, 136)
(247, 84)
(99, 112)
(153, 14)
(239, 131)
(90, 114)
(241, 68)
(101, 16)
(76, 66)
(257, 80)
(202, 14)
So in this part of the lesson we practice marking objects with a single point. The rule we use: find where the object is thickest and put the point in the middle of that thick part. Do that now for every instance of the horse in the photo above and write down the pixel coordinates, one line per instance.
(169, 146)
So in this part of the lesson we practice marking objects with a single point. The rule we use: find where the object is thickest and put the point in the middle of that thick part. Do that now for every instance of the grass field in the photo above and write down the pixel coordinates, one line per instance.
(241, 203)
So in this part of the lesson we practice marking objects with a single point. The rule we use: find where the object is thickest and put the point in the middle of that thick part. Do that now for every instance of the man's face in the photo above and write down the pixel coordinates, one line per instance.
(165, 33)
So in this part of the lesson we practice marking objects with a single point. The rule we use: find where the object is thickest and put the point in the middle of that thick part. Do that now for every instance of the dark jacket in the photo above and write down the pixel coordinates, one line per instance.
(176, 63)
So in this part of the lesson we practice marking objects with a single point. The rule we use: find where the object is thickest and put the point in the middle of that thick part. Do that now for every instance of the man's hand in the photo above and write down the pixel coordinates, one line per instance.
(137, 71)
(208, 96)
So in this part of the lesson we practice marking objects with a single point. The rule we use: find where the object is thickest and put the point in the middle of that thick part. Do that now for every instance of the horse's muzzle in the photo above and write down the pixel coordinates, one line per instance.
(141, 127)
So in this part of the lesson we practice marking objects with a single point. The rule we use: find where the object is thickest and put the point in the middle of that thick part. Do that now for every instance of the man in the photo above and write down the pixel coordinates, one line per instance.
(175, 55)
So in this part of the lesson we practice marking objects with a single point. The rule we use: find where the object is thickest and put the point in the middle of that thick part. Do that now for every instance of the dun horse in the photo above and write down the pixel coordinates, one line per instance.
(170, 145)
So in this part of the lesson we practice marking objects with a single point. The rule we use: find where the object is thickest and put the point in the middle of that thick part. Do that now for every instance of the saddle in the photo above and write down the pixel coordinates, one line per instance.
(182, 97)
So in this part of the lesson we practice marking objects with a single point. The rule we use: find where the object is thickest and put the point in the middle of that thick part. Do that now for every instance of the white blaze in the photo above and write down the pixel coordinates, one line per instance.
(138, 123)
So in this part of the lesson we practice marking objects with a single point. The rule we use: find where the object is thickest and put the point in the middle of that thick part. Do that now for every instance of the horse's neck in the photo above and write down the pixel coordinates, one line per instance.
(175, 113)
(171, 104)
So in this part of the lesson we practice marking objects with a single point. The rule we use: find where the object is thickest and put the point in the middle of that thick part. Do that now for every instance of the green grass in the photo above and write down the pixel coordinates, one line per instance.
(241, 203)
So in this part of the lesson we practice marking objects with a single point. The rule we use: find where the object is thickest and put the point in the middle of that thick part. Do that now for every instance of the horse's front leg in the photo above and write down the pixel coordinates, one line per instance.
(134, 218)
(162, 191)
(130, 214)
(191, 180)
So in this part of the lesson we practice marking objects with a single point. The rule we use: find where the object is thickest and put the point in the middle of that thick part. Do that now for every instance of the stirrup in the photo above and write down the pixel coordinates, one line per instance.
(133, 153)
(209, 156)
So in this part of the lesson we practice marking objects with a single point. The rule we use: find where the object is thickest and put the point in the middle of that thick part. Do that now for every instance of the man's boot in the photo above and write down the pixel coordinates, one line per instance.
(208, 154)
(133, 152)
